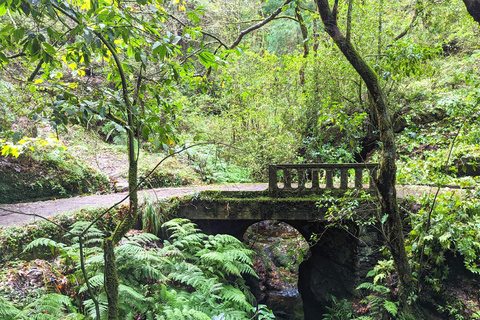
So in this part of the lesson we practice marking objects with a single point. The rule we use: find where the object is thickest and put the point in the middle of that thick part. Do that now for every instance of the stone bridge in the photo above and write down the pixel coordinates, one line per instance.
(340, 257)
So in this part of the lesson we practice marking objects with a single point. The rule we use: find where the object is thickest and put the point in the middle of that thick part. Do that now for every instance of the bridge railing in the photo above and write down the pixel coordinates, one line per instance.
(316, 177)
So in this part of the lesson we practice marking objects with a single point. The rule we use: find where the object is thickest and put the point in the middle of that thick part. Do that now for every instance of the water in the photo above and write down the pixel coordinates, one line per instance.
(280, 250)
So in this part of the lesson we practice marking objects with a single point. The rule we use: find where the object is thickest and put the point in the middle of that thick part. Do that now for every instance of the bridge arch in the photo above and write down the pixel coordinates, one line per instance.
(338, 263)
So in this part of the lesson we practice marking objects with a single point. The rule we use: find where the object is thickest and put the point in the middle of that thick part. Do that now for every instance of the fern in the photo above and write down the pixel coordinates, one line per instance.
(103, 306)
(373, 287)
(378, 301)
(229, 293)
(340, 310)
(78, 229)
(52, 306)
(391, 307)
(131, 300)
(203, 273)
(7, 310)
(144, 238)
(95, 282)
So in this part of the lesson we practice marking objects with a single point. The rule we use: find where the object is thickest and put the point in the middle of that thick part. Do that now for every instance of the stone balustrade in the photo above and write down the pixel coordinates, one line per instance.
(316, 177)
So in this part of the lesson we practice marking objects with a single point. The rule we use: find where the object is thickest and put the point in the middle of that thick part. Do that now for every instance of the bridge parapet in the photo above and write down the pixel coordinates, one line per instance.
(316, 177)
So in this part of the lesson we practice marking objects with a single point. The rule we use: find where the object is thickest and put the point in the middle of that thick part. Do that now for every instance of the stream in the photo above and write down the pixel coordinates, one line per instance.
(279, 249)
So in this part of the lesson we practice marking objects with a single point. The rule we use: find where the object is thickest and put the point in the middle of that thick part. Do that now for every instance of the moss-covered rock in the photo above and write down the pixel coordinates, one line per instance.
(27, 178)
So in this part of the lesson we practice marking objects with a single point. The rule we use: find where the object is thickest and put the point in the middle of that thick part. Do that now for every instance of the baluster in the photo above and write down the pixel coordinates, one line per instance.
(358, 178)
(272, 178)
(315, 182)
(373, 173)
(328, 178)
(343, 179)
(288, 179)
(301, 179)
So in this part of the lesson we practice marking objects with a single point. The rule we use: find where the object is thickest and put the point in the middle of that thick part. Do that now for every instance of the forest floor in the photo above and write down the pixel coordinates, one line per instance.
(21, 213)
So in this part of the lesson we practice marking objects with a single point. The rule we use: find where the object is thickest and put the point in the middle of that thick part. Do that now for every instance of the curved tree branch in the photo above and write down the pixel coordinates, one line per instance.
(243, 33)
(418, 9)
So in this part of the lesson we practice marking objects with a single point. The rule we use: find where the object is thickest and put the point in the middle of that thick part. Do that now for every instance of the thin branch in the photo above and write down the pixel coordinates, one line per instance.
(418, 9)
(85, 276)
(349, 19)
(30, 214)
(427, 226)
(35, 72)
(22, 54)
(256, 20)
(335, 11)
(304, 30)
(11, 19)
(259, 25)
(203, 32)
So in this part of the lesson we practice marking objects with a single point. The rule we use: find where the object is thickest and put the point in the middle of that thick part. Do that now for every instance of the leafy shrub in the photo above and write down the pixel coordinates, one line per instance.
(207, 161)
(172, 173)
(454, 223)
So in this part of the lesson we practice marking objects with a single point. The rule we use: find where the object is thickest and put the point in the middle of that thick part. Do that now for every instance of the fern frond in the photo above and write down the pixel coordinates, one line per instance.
(103, 306)
(232, 294)
(147, 271)
(224, 240)
(127, 293)
(188, 274)
(391, 307)
(51, 306)
(247, 269)
(96, 260)
(128, 249)
(180, 227)
(144, 238)
(235, 315)
(7, 310)
(45, 242)
(95, 282)
(79, 227)
(373, 287)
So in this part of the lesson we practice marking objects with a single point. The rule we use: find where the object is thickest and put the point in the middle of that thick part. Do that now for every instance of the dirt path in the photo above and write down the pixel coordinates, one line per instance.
(53, 207)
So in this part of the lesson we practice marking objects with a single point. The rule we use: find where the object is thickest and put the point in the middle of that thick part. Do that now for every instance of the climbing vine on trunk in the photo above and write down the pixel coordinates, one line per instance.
(386, 178)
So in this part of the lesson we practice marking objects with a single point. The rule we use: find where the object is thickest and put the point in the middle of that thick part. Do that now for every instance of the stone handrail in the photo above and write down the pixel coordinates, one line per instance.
(312, 173)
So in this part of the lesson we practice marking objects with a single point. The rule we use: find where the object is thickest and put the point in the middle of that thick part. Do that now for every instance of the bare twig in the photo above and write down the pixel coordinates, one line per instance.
(258, 25)
(85, 276)
(429, 219)
(30, 214)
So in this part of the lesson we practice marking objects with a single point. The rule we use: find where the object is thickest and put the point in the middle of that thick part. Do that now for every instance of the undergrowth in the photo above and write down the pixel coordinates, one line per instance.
(189, 276)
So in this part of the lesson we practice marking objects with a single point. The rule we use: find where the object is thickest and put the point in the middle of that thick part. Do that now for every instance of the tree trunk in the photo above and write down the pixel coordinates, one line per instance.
(304, 30)
(110, 278)
(386, 179)
(473, 8)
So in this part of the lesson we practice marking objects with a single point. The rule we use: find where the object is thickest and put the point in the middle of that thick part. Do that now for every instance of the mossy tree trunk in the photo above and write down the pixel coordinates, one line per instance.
(109, 243)
(473, 8)
(386, 179)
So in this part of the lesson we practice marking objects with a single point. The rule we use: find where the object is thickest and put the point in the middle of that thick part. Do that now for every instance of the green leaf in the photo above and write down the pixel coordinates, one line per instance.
(3, 57)
(240, 51)
(384, 218)
(18, 34)
(3, 9)
(193, 16)
(160, 49)
(145, 132)
(49, 48)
